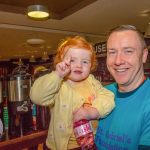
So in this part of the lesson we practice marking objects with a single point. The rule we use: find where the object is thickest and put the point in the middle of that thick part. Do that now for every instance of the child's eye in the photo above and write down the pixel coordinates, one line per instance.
(85, 62)
(72, 60)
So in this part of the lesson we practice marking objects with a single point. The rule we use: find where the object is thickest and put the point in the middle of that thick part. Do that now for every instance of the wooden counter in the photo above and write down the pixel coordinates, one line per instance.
(27, 141)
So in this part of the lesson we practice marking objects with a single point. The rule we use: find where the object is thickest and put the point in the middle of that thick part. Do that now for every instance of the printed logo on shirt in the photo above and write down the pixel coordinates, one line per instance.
(112, 141)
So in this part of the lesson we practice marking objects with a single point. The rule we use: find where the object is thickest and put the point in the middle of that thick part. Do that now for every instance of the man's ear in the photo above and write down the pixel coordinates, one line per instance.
(145, 54)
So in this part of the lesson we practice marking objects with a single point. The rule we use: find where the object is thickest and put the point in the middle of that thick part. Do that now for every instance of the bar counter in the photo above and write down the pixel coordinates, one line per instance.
(24, 142)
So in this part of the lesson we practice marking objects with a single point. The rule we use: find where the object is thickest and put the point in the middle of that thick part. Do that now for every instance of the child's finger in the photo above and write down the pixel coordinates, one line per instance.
(68, 60)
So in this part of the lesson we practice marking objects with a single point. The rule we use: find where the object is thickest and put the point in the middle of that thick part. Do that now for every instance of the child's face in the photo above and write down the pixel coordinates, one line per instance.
(80, 64)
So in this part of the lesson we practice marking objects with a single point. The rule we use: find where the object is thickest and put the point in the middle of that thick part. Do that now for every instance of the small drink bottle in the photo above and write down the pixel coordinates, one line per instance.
(84, 134)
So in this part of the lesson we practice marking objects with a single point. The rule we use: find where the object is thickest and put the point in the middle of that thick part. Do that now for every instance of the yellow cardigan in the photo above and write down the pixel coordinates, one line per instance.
(52, 90)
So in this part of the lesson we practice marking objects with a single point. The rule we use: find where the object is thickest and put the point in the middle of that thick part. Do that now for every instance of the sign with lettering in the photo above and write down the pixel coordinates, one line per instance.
(100, 49)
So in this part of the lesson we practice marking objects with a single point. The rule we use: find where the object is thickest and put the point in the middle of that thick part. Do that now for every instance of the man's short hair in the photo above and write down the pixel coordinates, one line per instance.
(129, 28)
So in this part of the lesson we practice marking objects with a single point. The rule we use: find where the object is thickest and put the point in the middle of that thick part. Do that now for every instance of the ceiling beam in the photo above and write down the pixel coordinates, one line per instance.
(48, 30)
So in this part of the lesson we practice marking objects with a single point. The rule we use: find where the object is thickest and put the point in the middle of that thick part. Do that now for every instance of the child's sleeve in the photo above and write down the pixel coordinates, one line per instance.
(45, 88)
(104, 101)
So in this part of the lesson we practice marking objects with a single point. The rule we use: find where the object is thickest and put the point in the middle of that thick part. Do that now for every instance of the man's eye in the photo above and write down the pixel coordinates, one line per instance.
(72, 60)
(128, 51)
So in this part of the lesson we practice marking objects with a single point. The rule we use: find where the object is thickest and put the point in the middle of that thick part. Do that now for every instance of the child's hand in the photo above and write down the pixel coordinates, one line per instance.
(63, 68)
(88, 113)
(79, 114)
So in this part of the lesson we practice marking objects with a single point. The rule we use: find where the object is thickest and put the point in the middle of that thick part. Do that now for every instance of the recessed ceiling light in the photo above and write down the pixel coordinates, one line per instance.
(35, 41)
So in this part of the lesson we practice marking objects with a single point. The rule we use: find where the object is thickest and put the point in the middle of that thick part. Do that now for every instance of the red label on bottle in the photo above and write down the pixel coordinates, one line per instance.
(82, 130)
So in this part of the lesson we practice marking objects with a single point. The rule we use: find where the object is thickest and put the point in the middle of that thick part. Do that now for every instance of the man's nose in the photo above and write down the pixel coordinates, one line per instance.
(119, 59)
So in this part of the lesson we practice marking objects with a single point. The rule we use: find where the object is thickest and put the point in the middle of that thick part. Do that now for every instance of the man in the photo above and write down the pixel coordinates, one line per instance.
(128, 126)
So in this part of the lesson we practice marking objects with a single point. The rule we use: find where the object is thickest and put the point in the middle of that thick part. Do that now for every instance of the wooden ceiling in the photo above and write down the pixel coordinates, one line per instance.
(58, 8)
(89, 18)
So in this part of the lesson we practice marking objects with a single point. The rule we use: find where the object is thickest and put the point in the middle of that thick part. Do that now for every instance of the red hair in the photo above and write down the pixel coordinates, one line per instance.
(76, 42)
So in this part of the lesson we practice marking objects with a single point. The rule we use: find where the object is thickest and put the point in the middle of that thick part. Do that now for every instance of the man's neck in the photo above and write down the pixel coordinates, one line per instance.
(133, 86)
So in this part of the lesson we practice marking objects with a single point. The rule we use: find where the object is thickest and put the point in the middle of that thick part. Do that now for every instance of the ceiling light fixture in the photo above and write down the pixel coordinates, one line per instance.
(35, 41)
(37, 12)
